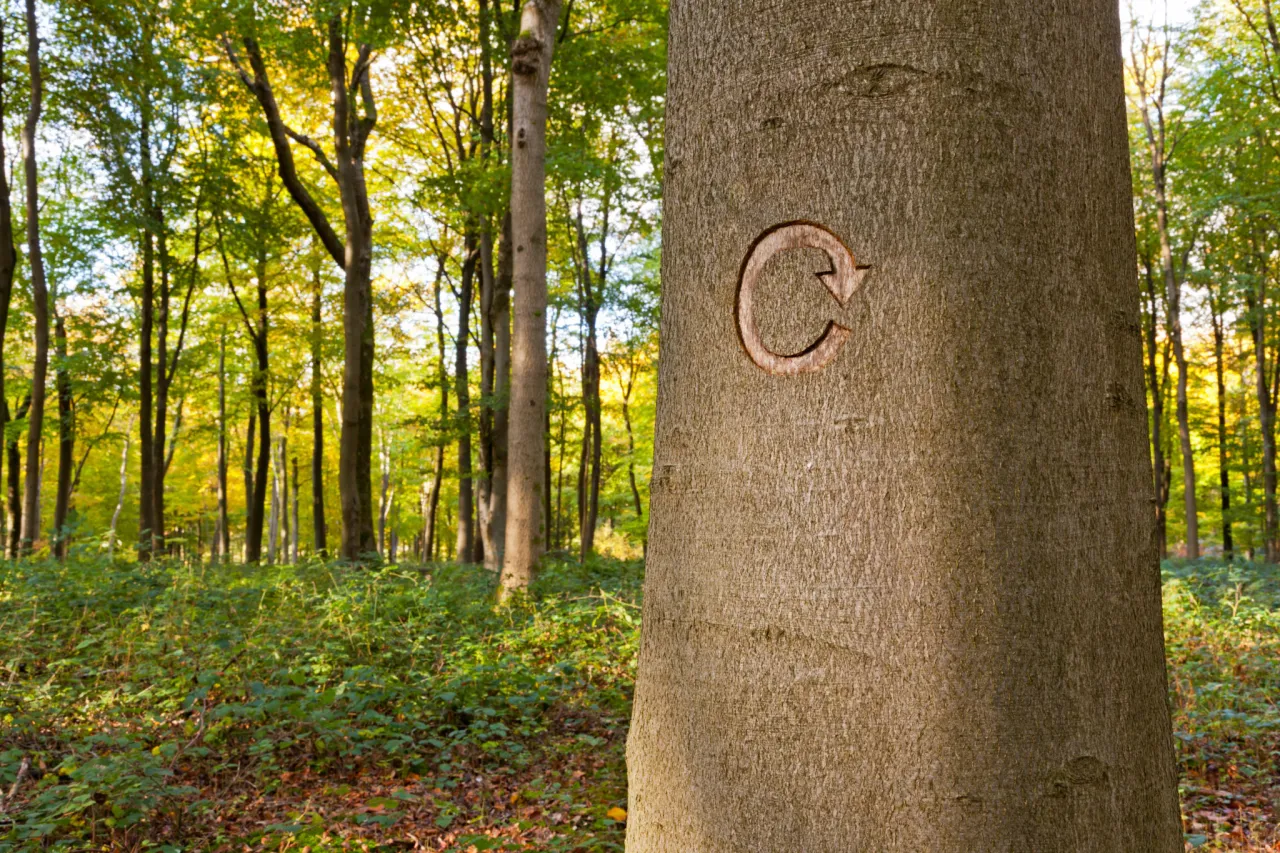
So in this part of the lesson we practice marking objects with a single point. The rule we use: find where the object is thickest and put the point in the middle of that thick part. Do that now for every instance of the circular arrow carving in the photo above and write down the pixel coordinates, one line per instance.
(842, 280)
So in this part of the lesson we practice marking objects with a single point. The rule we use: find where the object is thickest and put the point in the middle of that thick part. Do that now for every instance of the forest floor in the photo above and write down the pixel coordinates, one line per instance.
(319, 708)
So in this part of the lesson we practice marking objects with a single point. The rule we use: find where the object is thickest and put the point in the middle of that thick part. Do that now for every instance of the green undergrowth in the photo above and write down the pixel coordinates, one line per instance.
(1222, 636)
(326, 707)
(333, 707)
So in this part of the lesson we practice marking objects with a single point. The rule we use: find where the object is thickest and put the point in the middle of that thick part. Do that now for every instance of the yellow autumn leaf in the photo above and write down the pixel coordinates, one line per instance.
(615, 813)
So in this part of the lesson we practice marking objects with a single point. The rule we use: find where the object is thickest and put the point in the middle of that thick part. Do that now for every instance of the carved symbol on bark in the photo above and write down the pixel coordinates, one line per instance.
(843, 280)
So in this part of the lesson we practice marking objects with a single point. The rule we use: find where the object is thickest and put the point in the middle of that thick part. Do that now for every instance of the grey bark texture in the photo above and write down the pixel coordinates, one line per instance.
(908, 600)
(531, 53)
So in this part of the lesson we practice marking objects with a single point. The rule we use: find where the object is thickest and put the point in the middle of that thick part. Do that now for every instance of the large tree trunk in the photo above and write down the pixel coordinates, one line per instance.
(39, 292)
(878, 615)
(319, 531)
(66, 442)
(355, 466)
(531, 72)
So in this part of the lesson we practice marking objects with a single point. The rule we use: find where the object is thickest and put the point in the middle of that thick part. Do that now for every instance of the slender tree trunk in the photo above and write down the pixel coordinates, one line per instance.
(531, 71)
(591, 448)
(1257, 303)
(66, 442)
(158, 442)
(466, 501)
(8, 259)
(385, 464)
(39, 292)
(869, 598)
(222, 542)
(1224, 471)
(247, 468)
(319, 532)
(1155, 381)
(124, 488)
(293, 528)
(433, 502)
(15, 479)
(146, 398)
(257, 509)
(497, 520)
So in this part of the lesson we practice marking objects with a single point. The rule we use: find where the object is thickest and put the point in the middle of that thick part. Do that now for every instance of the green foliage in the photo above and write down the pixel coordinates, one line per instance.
(1222, 630)
(155, 699)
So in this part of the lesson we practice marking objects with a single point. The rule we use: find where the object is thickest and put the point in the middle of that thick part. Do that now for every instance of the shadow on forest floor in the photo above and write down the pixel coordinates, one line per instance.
(332, 708)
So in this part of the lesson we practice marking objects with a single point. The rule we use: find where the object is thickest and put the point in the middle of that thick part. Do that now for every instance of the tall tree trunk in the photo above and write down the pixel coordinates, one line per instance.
(256, 509)
(14, 460)
(1151, 70)
(589, 480)
(66, 441)
(158, 442)
(531, 72)
(247, 469)
(1257, 303)
(1224, 471)
(870, 589)
(319, 532)
(293, 527)
(351, 128)
(356, 443)
(223, 541)
(8, 258)
(146, 395)
(462, 389)
(39, 292)
(499, 407)
(437, 478)
(384, 460)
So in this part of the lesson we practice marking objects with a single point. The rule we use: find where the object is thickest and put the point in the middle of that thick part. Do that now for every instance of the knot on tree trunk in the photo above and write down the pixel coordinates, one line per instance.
(526, 54)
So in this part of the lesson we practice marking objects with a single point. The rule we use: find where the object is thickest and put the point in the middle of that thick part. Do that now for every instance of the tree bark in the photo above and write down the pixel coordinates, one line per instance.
(66, 442)
(39, 292)
(531, 72)
(878, 615)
